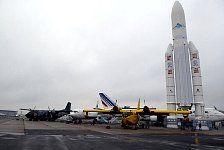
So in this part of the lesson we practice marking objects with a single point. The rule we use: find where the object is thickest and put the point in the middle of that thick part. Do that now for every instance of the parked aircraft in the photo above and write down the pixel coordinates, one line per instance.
(50, 115)
(78, 116)
(109, 103)
(131, 116)
(211, 114)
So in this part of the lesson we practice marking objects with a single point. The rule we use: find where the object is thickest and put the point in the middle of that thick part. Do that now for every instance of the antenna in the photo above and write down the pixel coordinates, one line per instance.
(97, 104)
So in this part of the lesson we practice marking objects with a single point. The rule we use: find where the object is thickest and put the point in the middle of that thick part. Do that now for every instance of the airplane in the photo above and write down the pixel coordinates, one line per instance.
(49, 115)
(211, 114)
(109, 103)
(130, 117)
(78, 115)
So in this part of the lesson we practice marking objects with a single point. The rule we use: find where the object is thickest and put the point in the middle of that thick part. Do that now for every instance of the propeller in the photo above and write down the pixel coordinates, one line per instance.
(51, 112)
(146, 110)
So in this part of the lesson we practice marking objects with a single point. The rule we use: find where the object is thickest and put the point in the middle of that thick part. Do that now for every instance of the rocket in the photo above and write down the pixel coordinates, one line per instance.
(181, 57)
(183, 76)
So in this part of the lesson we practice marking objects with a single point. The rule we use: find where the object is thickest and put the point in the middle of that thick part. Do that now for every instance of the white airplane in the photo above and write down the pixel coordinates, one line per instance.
(211, 114)
(78, 115)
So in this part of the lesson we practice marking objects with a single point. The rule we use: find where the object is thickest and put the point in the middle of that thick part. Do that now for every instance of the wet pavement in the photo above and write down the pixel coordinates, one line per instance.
(27, 135)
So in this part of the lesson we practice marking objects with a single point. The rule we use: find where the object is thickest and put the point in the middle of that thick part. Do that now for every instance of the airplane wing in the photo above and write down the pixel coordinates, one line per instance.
(140, 111)
(167, 112)
(145, 111)
(25, 109)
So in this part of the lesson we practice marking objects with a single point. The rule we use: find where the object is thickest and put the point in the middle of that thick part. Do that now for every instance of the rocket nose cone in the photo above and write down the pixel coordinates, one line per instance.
(177, 14)
(177, 6)
(192, 47)
(178, 21)
(169, 49)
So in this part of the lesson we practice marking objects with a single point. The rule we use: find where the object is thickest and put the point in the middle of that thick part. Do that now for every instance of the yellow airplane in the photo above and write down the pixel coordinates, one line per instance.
(131, 116)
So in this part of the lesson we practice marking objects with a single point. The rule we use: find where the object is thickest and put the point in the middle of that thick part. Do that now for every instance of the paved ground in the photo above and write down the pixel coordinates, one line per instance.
(25, 135)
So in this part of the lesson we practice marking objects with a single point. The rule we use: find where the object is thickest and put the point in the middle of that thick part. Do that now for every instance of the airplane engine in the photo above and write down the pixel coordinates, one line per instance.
(116, 109)
(146, 110)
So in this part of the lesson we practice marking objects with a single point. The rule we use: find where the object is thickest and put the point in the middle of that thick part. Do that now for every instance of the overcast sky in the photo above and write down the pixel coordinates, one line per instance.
(54, 51)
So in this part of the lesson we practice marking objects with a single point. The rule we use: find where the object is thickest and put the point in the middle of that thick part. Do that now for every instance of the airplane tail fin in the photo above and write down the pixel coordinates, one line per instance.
(138, 107)
(106, 101)
(68, 106)
(97, 105)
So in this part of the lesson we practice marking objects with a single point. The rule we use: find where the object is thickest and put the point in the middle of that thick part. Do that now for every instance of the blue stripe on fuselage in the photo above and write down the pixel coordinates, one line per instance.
(104, 103)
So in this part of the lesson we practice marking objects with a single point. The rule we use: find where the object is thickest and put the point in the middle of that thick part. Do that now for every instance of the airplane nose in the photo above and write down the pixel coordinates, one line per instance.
(28, 115)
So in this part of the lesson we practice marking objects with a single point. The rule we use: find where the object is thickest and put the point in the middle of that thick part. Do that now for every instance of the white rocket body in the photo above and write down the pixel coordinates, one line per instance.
(170, 85)
(185, 72)
(196, 80)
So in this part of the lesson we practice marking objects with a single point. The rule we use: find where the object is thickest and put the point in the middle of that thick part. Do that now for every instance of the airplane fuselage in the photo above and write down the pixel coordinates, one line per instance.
(79, 114)
(210, 114)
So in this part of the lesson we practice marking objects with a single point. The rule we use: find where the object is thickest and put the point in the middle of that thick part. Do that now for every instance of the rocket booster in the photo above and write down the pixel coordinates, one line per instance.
(196, 80)
(170, 84)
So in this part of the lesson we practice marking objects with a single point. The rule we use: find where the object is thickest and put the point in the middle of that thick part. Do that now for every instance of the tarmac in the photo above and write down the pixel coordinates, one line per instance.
(44, 135)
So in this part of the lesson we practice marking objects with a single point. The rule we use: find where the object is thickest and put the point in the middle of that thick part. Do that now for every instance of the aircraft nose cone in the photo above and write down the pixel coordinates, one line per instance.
(28, 115)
